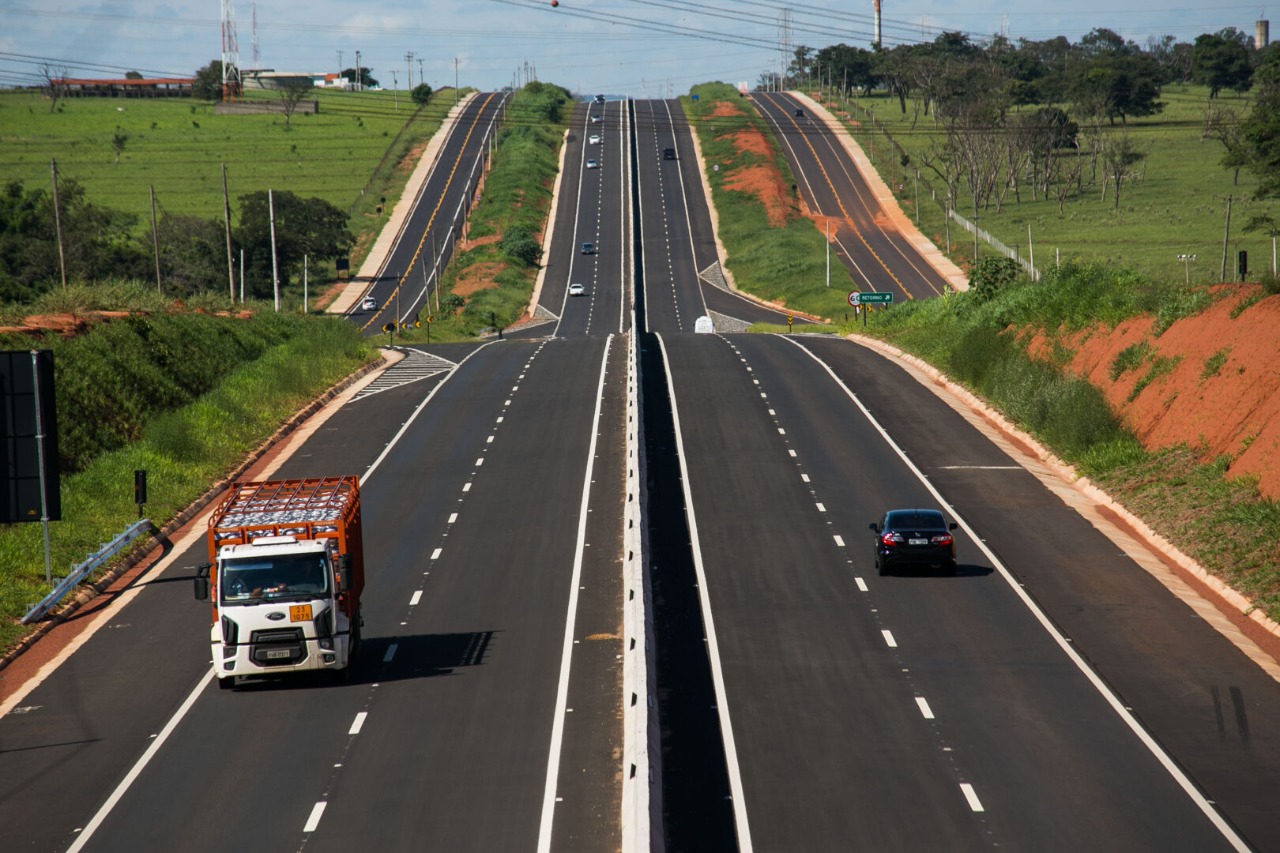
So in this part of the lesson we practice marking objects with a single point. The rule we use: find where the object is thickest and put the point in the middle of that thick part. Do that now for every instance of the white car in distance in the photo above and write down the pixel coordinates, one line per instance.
(576, 289)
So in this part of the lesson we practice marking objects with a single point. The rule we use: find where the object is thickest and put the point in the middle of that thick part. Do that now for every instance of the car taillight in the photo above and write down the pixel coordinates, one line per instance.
(890, 539)
(942, 539)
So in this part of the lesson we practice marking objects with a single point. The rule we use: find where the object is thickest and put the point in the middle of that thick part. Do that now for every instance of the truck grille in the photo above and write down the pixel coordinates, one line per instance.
(279, 647)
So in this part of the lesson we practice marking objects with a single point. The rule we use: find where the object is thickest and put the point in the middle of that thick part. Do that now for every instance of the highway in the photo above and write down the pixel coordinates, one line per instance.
(869, 240)
(1052, 696)
(411, 270)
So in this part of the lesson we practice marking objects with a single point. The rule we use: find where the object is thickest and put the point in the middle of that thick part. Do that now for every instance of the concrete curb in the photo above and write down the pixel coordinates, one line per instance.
(551, 227)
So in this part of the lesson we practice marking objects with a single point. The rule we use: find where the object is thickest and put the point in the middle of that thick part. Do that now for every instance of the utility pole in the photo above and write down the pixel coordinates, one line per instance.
(1226, 234)
(226, 221)
(421, 78)
(359, 74)
(395, 91)
(455, 80)
(275, 268)
(155, 236)
(408, 64)
(58, 226)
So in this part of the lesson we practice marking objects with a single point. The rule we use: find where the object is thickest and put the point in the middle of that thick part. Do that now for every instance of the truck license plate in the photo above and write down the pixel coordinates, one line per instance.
(300, 613)
(276, 654)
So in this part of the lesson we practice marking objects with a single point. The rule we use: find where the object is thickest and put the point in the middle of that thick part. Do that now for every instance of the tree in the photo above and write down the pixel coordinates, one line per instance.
(207, 84)
(132, 75)
(849, 67)
(193, 254)
(291, 95)
(1119, 155)
(520, 245)
(421, 94)
(1221, 61)
(55, 82)
(359, 80)
(303, 226)
(1224, 125)
(1261, 130)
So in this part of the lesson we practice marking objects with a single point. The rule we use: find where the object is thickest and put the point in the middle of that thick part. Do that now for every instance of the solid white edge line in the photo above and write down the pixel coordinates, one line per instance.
(136, 770)
(317, 811)
(713, 645)
(1206, 808)
(566, 654)
(358, 723)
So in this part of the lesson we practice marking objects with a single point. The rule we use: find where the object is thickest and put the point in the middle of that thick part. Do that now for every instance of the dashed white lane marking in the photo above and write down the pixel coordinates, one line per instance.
(862, 585)
(500, 420)
(888, 638)
(479, 461)
(316, 812)
(453, 516)
(781, 431)
(839, 541)
(971, 797)
(489, 440)
(804, 477)
(792, 452)
(417, 596)
(821, 508)
(391, 652)
(466, 487)
(435, 555)
(358, 724)
(925, 710)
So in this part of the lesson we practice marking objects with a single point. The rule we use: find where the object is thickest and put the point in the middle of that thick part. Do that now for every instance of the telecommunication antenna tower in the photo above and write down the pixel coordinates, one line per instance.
(784, 46)
(230, 52)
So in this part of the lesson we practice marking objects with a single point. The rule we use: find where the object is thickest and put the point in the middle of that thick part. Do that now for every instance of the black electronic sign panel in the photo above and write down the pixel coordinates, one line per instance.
(29, 429)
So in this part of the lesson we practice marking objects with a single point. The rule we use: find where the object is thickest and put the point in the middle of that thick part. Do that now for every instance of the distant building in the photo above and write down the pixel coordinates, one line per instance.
(154, 87)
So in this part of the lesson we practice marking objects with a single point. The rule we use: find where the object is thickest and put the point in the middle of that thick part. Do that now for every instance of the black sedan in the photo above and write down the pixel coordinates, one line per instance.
(919, 538)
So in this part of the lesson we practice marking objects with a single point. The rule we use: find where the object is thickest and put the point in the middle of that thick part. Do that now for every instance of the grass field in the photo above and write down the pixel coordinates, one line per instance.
(344, 154)
(1178, 206)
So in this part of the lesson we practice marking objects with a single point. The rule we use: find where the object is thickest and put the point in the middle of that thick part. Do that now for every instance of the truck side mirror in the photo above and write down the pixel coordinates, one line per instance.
(340, 565)
(202, 582)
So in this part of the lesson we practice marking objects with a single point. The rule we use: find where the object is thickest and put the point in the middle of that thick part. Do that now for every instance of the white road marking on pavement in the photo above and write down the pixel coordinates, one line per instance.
(391, 652)
(417, 596)
(971, 797)
(821, 508)
(453, 516)
(839, 541)
(862, 585)
(792, 452)
(888, 638)
(479, 461)
(489, 440)
(314, 821)
(924, 707)
(435, 555)
(466, 487)
(358, 724)
(804, 477)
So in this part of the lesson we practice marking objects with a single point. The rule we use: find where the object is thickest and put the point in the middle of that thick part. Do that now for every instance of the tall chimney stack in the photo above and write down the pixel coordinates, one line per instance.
(876, 43)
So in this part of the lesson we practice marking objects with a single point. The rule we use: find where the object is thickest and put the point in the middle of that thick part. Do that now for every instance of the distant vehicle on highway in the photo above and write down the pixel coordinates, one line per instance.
(594, 139)
(919, 538)
(599, 99)
(577, 290)
(595, 118)
(369, 304)
(704, 326)
(588, 248)
(668, 153)
(593, 164)
(799, 113)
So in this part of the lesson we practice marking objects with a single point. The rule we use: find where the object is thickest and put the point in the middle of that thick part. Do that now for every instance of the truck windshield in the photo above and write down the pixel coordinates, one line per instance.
(249, 581)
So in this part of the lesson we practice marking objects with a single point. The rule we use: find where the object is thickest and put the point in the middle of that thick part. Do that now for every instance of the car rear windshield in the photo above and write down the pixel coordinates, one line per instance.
(921, 519)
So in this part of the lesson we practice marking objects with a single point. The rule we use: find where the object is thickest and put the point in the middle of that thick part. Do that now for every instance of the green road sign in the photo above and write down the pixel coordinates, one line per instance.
(872, 298)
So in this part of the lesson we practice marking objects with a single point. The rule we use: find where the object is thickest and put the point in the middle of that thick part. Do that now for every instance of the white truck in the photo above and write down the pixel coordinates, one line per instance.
(285, 576)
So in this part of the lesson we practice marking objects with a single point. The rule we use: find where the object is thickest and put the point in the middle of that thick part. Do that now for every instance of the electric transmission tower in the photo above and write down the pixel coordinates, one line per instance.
(230, 52)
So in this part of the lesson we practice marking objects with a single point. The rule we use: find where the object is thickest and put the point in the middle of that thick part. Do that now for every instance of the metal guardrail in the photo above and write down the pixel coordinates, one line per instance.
(79, 572)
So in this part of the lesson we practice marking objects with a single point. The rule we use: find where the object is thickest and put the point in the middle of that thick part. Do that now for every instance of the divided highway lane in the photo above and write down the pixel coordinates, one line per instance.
(913, 712)
(877, 255)
(680, 259)
(425, 242)
(477, 520)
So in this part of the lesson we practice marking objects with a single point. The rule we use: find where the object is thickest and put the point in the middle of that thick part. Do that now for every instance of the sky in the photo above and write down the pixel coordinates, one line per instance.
(641, 48)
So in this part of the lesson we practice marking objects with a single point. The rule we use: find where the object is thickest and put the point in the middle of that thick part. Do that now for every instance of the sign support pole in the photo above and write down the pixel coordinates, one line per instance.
(44, 487)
